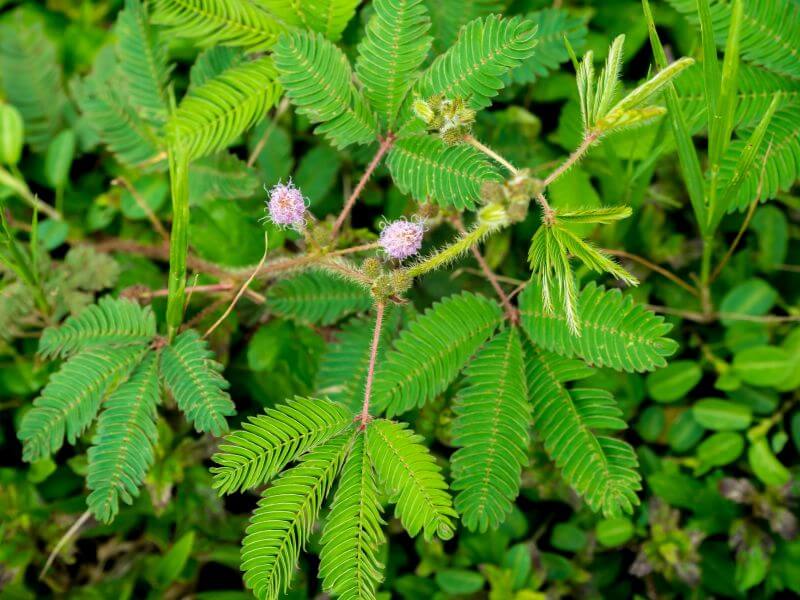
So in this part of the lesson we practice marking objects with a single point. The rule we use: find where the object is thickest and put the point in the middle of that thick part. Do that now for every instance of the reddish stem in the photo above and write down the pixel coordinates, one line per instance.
(511, 312)
(386, 144)
(376, 337)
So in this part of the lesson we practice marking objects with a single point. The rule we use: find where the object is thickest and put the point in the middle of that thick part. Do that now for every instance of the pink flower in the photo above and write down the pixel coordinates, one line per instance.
(286, 205)
(401, 239)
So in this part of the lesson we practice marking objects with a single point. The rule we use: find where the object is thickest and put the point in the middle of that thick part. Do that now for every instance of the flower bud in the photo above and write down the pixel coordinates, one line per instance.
(12, 134)
(371, 267)
(401, 282)
(423, 110)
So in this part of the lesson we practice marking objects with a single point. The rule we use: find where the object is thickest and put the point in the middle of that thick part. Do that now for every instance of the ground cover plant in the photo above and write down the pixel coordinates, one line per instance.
(399, 298)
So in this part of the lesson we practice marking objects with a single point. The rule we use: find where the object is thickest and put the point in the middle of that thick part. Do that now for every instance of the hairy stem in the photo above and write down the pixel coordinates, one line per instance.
(451, 252)
(373, 355)
(577, 155)
(179, 240)
(510, 311)
(386, 144)
(492, 154)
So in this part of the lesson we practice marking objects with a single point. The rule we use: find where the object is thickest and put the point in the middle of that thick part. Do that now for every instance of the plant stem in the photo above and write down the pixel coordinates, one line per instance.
(548, 214)
(705, 275)
(578, 154)
(241, 291)
(373, 355)
(655, 268)
(64, 539)
(491, 154)
(151, 216)
(345, 269)
(268, 132)
(511, 312)
(451, 252)
(21, 188)
(386, 144)
(750, 212)
(354, 249)
(179, 240)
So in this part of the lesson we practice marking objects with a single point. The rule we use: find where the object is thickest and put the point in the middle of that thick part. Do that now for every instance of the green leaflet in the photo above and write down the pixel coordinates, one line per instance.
(411, 477)
(615, 332)
(213, 62)
(552, 26)
(123, 448)
(267, 443)
(70, 401)
(328, 17)
(431, 351)
(485, 51)
(777, 158)
(600, 468)
(318, 80)
(143, 61)
(223, 22)
(194, 378)
(282, 523)
(31, 79)
(755, 89)
(427, 168)
(214, 114)
(491, 431)
(349, 565)
(770, 31)
(221, 176)
(394, 46)
(318, 297)
(110, 115)
(450, 17)
(111, 322)
(343, 367)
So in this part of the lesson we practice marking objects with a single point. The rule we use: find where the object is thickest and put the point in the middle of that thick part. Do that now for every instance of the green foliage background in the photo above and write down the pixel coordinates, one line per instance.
(717, 431)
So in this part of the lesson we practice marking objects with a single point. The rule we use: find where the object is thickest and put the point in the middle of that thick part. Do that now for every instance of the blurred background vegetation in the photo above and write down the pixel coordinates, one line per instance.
(717, 432)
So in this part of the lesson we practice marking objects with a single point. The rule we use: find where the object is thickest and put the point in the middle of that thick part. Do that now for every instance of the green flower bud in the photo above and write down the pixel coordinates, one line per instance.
(401, 282)
(493, 215)
(371, 267)
(382, 287)
(423, 110)
(321, 234)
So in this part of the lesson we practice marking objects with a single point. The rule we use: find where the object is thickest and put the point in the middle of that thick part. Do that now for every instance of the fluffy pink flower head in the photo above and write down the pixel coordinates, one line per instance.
(401, 239)
(286, 205)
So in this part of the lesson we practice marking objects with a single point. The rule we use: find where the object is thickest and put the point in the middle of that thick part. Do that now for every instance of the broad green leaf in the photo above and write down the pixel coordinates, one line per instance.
(721, 415)
(754, 297)
(719, 450)
(764, 366)
(674, 381)
(614, 532)
(765, 464)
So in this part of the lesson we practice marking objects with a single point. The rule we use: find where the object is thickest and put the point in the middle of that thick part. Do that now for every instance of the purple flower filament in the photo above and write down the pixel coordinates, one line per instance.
(401, 239)
(286, 206)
